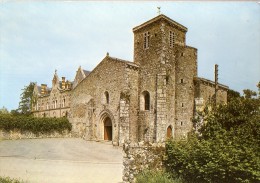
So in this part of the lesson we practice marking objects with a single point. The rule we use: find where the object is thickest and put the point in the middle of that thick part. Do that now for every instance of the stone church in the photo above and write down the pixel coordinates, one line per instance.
(150, 99)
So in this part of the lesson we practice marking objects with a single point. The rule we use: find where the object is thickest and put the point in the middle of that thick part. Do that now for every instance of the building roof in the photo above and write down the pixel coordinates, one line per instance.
(124, 61)
(129, 63)
(210, 82)
(86, 72)
(161, 17)
(39, 88)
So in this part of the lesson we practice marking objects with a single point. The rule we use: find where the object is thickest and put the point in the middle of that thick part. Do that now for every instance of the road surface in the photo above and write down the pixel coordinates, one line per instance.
(61, 160)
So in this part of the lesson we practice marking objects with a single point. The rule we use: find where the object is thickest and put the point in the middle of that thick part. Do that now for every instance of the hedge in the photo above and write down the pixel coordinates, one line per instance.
(9, 180)
(35, 125)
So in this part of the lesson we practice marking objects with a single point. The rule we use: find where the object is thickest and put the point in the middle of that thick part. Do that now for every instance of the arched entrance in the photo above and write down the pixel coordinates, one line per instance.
(108, 129)
(169, 132)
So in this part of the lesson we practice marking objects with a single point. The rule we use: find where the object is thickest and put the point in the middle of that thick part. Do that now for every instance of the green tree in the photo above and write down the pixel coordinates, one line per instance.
(249, 93)
(25, 103)
(258, 86)
(3, 110)
(227, 149)
(15, 112)
(232, 94)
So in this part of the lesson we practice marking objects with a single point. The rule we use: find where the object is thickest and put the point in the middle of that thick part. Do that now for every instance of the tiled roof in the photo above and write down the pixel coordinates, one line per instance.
(125, 61)
(210, 82)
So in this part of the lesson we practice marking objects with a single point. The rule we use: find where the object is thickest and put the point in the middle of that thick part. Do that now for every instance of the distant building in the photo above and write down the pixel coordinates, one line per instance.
(55, 101)
(150, 99)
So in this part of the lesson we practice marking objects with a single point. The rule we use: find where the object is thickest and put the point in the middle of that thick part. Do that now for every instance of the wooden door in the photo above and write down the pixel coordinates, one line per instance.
(108, 129)
(169, 132)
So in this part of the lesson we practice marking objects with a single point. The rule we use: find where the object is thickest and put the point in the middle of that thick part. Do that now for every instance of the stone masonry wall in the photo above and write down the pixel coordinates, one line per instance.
(50, 111)
(16, 134)
(205, 93)
(161, 68)
(141, 156)
(157, 65)
(88, 102)
(160, 123)
(149, 64)
(89, 106)
(124, 119)
(186, 70)
(132, 91)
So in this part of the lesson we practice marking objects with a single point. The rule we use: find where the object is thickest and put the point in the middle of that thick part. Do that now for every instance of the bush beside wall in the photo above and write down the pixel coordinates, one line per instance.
(24, 124)
(155, 177)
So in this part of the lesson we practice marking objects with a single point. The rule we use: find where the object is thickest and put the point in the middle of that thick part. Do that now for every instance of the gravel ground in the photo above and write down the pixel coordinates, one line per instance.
(61, 160)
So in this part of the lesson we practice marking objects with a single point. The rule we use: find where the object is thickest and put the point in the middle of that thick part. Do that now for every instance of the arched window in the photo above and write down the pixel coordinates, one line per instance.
(106, 97)
(63, 102)
(145, 101)
(47, 105)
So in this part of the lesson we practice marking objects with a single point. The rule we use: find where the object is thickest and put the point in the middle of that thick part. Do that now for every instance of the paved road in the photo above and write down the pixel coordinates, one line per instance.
(68, 160)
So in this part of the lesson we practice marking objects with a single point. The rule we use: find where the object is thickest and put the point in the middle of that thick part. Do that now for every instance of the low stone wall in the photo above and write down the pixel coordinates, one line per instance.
(16, 134)
(141, 156)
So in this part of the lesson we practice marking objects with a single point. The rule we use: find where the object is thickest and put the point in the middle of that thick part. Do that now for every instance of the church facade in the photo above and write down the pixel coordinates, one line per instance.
(150, 99)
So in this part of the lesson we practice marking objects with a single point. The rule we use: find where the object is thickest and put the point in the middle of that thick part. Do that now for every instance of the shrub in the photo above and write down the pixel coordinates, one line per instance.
(227, 149)
(9, 180)
(35, 125)
(149, 176)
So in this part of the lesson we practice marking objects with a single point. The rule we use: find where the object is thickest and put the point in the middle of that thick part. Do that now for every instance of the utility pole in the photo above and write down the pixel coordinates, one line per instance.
(216, 84)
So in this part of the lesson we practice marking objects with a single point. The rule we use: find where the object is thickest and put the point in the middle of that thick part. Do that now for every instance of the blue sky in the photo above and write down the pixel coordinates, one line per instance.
(38, 37)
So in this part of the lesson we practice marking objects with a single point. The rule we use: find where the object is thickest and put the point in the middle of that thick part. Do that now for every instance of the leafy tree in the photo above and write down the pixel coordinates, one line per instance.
(232, 94)
(3, 110)
(25, 104)
(227, 149)
(15, 112)
(249, 93)
(258, 86)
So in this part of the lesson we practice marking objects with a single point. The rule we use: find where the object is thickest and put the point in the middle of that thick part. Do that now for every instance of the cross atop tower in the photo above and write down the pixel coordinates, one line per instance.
(159, 10)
